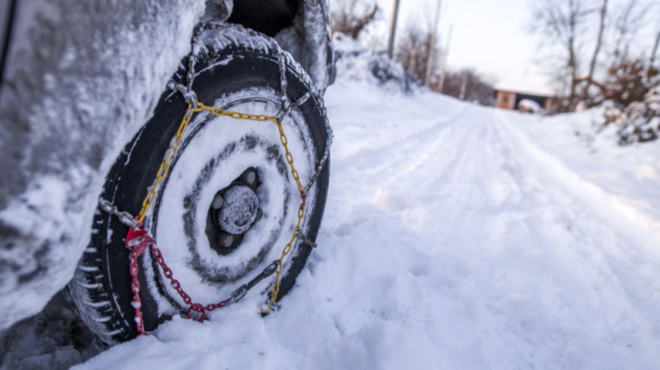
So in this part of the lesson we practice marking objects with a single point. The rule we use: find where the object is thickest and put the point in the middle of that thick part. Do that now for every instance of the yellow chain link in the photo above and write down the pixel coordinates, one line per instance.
(175, 143)
(301, 213)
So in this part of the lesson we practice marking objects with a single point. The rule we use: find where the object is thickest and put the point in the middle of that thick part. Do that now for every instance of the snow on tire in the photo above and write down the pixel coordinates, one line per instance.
(228, 205)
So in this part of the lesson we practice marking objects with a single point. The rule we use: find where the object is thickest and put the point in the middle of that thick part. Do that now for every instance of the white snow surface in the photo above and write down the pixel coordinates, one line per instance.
(455, 237)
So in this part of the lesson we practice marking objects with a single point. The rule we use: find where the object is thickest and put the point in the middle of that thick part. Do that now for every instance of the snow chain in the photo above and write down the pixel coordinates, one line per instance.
(138, 239)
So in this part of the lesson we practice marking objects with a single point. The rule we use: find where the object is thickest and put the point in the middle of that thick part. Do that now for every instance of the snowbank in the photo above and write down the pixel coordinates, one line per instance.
(355, 63)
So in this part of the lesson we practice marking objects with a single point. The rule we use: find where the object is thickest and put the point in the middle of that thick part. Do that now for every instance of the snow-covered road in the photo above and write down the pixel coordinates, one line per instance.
(489, 246)
(453, 239)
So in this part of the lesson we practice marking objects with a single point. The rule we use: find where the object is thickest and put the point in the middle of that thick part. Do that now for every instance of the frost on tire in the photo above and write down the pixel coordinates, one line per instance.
(228, 204)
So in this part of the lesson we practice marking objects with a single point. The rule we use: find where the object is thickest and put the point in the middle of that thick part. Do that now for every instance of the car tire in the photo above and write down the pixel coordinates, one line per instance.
(239, 70)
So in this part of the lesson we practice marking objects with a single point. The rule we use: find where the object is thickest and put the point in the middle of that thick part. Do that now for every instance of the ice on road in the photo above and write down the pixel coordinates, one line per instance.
(453, 238)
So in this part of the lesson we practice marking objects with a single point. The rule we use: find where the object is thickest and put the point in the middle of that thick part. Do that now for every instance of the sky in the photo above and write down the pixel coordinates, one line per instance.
(493, 37)
(487, 35)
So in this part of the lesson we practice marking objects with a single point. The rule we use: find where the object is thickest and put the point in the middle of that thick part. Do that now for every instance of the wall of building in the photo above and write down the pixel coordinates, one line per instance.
(505, 100)
(510, 100)
(548, 104)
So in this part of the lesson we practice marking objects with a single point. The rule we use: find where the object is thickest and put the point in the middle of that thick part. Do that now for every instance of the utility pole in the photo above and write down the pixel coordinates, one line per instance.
(429, 60)
(395, 15)
(463, 86)
(444, 60)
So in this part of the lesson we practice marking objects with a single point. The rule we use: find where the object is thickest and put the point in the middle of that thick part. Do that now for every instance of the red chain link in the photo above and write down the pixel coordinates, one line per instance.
(304, 200)
(138, 240)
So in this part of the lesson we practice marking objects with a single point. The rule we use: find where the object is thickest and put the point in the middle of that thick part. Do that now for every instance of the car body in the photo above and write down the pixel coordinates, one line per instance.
(79, 79)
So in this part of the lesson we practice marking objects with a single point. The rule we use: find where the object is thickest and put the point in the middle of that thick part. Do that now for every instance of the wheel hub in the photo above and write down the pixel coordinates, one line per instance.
(239, 209)
(233, 211)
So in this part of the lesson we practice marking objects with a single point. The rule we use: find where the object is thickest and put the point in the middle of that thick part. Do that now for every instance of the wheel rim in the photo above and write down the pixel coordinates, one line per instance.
(180, 218)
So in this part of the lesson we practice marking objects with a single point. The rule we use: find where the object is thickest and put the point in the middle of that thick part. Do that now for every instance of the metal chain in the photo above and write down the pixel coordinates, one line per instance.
(124, 217)
(307, 241)
(138, 239)
(297, 231)
(319, 168)
(301, 213)
(165, 164)
(189, 95)
(284, 110)
(281, 59)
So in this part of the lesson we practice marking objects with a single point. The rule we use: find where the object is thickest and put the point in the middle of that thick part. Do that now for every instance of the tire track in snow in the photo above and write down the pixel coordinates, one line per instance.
(362, 171)
(514, 246)
(614, 269)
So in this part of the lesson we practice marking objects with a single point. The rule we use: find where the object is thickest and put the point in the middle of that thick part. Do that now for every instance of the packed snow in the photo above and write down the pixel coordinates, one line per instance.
(455, 237)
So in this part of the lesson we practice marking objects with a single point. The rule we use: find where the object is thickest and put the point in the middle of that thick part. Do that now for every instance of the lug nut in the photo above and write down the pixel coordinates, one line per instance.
(250, 177)
(225, 240)
(217, 201)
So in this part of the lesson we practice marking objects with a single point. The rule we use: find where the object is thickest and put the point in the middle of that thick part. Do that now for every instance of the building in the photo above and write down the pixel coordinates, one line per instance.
(524, 84)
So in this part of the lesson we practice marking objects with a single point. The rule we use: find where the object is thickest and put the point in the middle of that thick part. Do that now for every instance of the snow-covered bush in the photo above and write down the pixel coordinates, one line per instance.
(632, 94)
(355, 63)
(389, 72)
(529, 106)
(639, 121)
(628, 81)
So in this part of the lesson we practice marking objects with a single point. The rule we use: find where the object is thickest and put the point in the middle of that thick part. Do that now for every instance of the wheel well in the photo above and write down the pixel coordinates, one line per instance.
(266, 16)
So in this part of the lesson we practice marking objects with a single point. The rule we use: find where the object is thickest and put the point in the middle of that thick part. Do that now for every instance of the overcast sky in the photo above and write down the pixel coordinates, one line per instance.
(488, 35)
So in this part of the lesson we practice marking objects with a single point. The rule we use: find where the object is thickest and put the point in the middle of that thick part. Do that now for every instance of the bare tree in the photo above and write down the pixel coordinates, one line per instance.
(628, 19)
(594, 57)
(415, 43)
(352, 16)
(628, 81)
(468, 85)
(562, 22)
